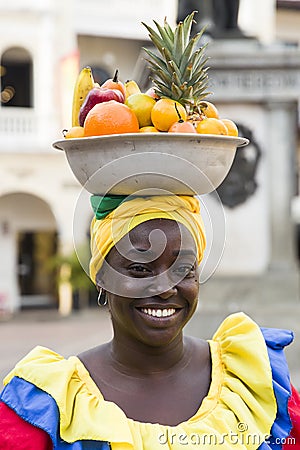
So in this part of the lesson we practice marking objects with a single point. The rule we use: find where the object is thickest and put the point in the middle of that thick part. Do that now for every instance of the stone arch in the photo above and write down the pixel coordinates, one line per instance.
(17, 78)
(28, 239)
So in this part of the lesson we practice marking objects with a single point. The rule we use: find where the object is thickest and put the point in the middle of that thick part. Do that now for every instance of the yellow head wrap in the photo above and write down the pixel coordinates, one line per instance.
(107, 232)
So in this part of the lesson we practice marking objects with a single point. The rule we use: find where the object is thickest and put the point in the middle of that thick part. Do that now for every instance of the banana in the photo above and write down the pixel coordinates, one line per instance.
(131, 87)
(84, 83)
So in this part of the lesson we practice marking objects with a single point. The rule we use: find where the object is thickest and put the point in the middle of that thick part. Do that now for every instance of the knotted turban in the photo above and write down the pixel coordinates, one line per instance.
(115, 216)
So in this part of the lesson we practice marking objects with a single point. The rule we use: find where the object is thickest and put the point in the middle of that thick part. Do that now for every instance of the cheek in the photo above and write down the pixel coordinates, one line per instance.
(131, 288)
(190, 287)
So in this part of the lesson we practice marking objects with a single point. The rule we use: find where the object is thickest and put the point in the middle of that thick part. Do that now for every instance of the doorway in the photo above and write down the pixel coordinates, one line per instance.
(28, 242)
(35, 250)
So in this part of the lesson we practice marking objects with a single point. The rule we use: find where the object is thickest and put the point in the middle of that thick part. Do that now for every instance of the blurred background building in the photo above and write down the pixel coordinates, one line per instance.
(255, 75)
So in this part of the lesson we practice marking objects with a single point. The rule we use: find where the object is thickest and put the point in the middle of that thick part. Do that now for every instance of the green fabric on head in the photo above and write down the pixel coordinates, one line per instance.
(103, 205)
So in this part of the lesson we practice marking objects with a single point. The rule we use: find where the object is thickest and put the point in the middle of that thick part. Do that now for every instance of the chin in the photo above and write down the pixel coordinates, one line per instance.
(160, 338)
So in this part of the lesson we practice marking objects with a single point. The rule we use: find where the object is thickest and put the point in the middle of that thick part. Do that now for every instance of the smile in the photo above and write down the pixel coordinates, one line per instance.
(159, 312)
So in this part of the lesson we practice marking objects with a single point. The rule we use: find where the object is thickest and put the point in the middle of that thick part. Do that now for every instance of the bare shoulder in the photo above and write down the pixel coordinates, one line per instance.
(95, 359)
(200, 347)
(199, 355)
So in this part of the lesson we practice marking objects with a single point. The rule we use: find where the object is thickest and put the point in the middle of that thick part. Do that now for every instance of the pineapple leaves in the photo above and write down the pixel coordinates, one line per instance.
(178, 63)
(187, 27)
(167, 41)
(165, 90)
(155, 38)
(157, 61)
(185, 58)
(168, 29)
(176, 92)
(178, 43)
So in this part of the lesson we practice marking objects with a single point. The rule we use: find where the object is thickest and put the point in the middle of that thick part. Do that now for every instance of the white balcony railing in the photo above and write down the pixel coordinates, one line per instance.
(17, 121)
(23, 129)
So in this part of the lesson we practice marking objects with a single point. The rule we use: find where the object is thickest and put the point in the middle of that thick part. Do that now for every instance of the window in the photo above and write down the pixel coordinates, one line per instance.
(16, 78)
(100, 74)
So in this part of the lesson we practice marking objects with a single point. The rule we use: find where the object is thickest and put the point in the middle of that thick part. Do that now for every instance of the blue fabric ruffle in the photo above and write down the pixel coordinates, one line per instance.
(39, 409)
(276, 340)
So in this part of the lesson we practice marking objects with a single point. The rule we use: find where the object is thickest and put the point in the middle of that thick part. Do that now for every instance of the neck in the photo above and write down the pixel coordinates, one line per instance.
(135, 358)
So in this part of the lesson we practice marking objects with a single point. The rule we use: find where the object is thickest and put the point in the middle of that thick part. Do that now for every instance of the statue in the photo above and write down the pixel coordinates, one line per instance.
(220, 16)
(240, 183)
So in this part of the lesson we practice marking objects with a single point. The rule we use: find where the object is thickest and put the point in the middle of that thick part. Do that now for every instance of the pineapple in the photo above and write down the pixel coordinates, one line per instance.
(178, 66)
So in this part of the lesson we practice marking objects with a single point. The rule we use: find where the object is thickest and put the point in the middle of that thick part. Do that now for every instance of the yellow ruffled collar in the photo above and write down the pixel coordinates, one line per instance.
(238, 411)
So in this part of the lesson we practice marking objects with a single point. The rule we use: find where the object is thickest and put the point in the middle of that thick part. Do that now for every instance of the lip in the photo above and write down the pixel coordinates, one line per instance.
(152, 305)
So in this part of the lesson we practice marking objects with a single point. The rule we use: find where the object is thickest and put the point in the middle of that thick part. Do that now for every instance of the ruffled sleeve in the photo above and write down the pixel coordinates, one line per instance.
(276, 340)
(44, 379)
(293, 440)
(246, 385)
(17, 434)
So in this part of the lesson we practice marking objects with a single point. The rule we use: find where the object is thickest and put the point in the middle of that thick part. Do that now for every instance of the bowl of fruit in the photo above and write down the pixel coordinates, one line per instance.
(169, 138)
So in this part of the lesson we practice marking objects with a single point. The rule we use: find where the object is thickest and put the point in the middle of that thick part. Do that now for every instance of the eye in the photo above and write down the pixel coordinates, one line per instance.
(185, 270)
(139, 270)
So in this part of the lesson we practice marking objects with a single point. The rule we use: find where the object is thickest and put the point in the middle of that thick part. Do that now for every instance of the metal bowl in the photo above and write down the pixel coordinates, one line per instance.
(183, 164)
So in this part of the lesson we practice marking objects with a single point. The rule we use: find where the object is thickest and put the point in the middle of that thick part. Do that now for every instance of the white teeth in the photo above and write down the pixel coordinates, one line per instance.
(159, 312)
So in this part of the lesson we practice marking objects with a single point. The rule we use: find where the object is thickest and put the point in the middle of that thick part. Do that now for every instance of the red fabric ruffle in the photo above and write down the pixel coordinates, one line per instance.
(293, 441)
(17, 434)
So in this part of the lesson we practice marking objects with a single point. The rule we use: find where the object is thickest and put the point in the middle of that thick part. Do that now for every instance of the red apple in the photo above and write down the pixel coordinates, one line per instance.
(98, 95)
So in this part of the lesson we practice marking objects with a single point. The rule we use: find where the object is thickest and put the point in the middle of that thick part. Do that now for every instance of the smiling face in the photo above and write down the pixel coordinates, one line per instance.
(151, 279)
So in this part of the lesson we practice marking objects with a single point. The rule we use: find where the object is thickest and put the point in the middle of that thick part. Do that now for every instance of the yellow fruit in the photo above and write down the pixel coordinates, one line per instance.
(148, 130)
(84, 83)
(231, 127)
(209, 109)
(211, 126)
(131, 87)
(141, 104)
(74, 132)
(164, 113)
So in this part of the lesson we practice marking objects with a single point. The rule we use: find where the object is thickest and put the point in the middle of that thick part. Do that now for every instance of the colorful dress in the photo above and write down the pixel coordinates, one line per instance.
(49, 402)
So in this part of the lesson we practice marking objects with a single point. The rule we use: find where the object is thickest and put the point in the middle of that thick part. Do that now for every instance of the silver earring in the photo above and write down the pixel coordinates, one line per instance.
(102, 300)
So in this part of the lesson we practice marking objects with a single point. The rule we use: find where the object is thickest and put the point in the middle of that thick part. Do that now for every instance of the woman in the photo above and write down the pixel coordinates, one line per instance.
(150, 387)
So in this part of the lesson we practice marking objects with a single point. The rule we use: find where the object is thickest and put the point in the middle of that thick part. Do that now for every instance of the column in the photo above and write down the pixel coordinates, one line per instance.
(281, 131)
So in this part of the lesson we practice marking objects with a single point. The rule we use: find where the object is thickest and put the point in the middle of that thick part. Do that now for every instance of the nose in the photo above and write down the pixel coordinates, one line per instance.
(168, 293)
(163, 286)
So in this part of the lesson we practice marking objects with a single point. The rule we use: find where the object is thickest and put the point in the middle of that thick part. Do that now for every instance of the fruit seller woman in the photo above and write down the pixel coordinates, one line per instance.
(151, 388)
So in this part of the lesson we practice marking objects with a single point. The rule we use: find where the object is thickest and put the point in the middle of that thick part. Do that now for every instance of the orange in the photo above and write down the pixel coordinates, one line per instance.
(149, 129)
(211, 126)
(182, 126)
(231, 127)
(164, 113)
(209, 109)
(110, 118)
(74, 132)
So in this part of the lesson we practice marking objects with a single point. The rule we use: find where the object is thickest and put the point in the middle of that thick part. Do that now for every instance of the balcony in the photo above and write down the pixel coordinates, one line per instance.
(23, 130)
